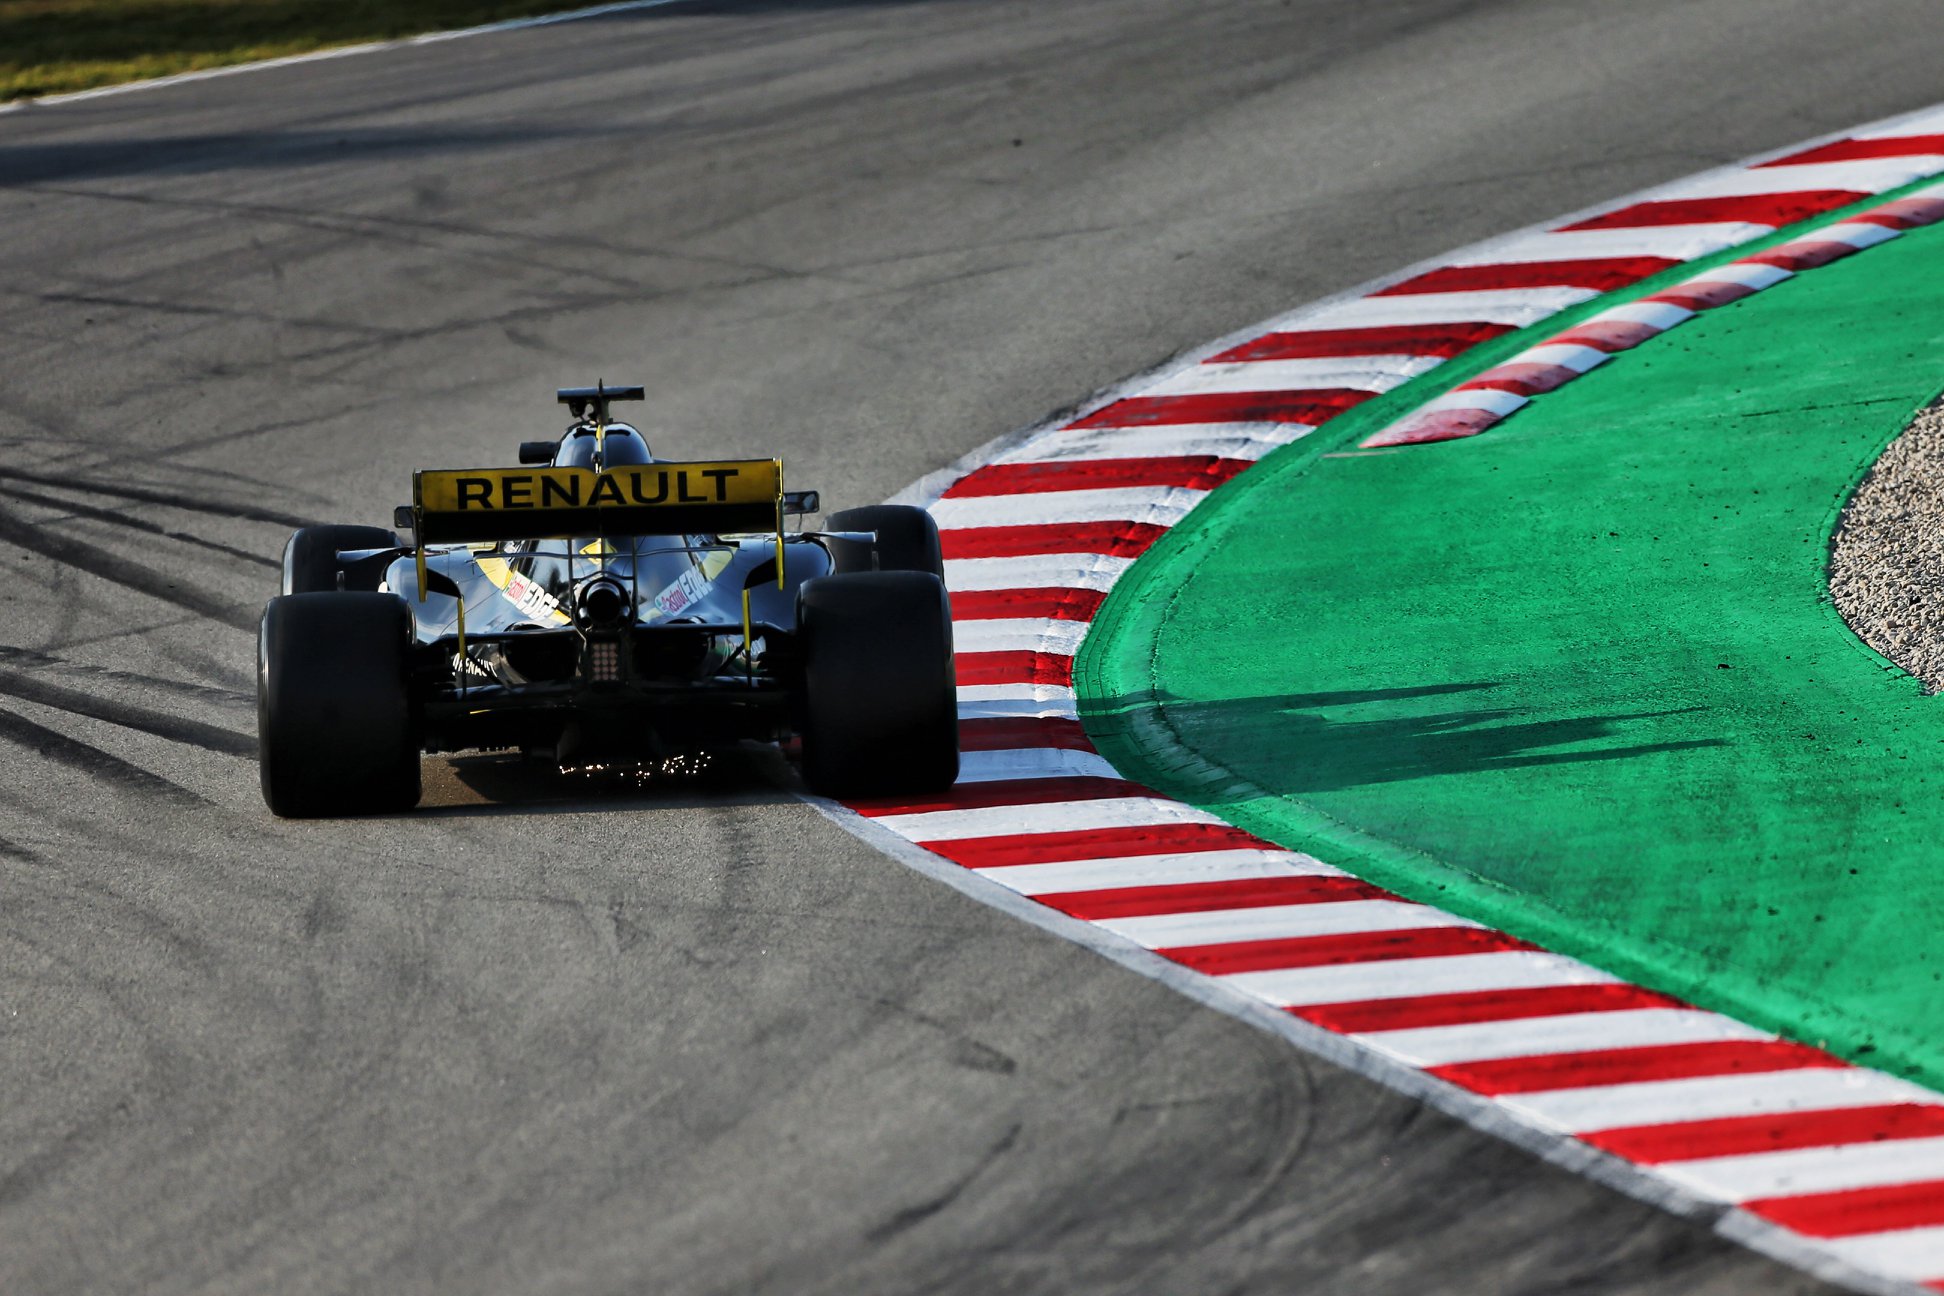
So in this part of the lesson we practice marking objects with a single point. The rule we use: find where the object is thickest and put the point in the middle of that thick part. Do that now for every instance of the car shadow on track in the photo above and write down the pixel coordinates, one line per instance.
(1317, 742)
(479, 785)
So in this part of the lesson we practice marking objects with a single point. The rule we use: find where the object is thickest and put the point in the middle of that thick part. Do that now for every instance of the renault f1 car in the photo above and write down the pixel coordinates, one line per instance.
(599, 605)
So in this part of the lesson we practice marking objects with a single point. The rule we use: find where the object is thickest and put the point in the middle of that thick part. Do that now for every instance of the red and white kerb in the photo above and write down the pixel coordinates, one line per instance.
(1474, 406)
(1830, 1165)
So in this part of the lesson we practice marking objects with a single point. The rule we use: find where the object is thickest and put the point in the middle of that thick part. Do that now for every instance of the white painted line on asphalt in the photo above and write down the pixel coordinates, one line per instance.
(1516, 306)
(1095, 572)
(1570, 1033)
(1280, 922)
(1032, 762)
(1373, 373)
(1916, 1254)
(1223, 440)
(1057, 696)
(1158, 870)
(1815, 1170)
(1657, 1102)
(1034, 634)
(1161, 505)
(1030, 820)
(1675, 242)
(1414, 978)
(324, 55)
(1015, 702)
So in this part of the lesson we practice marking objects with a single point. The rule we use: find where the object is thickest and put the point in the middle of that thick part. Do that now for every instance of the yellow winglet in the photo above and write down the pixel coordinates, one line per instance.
(749, 653)
(779, 522)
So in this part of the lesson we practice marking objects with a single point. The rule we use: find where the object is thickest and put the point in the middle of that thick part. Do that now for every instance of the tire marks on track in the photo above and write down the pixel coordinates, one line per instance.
(128, 715)
(139, 524)
(165, 498)
(11, 656)
(94, 560)
(91, 760)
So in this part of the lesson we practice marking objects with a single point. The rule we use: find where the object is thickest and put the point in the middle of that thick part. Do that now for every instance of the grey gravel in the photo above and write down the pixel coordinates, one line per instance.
(1886, 569)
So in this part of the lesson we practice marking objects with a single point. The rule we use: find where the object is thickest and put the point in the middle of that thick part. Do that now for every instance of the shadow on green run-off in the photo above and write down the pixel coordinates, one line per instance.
(1578, 678)
(1313, 750)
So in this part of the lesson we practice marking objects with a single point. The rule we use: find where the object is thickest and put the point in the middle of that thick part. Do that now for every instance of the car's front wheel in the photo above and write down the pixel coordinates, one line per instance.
(335, 734)
(880, 705)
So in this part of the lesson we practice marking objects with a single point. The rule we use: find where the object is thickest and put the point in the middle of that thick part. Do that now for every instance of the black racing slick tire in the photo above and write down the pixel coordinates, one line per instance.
(907, 538)
(335, 734)
(310, 560)
(880, 706)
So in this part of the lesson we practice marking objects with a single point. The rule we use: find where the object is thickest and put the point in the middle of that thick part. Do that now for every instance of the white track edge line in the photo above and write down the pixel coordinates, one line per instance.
(335, 52)
(1566, 1151)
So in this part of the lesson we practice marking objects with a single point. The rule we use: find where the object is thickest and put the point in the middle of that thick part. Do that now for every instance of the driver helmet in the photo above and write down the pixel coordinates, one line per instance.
(619, 445)
(624, 445)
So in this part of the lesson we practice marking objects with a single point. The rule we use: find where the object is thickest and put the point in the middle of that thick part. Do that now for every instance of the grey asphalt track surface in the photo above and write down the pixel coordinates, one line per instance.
(544, 1036)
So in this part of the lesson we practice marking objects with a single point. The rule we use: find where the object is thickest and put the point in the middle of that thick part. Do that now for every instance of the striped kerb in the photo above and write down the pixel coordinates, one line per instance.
(1846, 1161)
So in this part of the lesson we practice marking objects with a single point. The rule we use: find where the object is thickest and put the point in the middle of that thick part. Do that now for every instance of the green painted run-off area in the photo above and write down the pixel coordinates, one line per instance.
(1579, 677)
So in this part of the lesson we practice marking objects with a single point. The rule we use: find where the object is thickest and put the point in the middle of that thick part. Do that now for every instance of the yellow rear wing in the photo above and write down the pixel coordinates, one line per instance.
(477, 505)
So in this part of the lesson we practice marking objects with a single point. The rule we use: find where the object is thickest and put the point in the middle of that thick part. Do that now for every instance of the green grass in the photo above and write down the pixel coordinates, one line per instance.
(1579, 677)
(53, 46)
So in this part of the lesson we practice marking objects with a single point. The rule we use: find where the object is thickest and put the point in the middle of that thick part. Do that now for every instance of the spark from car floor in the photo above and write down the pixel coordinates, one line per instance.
(641, 773)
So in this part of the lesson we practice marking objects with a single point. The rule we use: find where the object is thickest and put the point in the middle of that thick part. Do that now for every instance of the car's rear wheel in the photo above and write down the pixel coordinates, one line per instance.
(907, 538)
(334, 715)
(880, 708)
(310, 561)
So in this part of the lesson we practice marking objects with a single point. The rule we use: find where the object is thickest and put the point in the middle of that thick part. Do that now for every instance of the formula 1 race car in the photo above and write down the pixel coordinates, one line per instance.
(601, 606)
